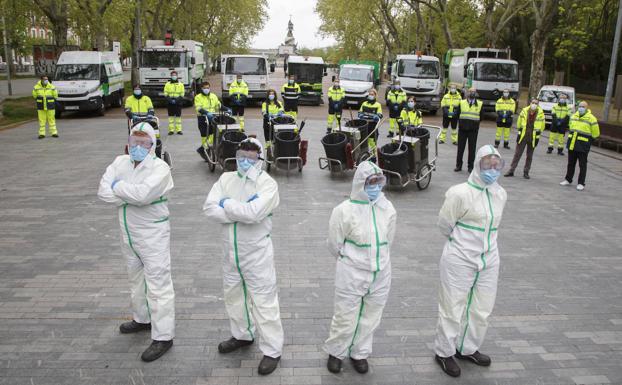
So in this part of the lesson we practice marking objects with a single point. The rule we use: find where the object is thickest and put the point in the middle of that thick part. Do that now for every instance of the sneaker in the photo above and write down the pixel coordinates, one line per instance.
(441, 141)
(179, 133)
(232, 344)
(390, 135)
(201, 152)
(549, 150)
(580, 187)
(360, 366)
(509, 174)
(526, 175)
(333, 364)
(506, 145)
(41, 136)
(564, 183)
(156, 350)
(497, 143)
(54, 135)
(477, 358)
(457, 169)
(171, 132)
(455, 143)
(268, 365)
(133, 327)
(449, 365)
(560, 151)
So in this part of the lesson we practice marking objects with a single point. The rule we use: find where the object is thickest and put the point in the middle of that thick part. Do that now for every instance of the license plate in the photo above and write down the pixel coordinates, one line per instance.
(160, 93)
(352, 102)
(72, 107)
(249, 96)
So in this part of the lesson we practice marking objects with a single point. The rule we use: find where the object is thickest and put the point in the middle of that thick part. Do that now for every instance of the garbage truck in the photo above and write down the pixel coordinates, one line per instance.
(420, 76)
(357, 77)
(488, 70)
(309, 71)
(158, 58)
(254, 71)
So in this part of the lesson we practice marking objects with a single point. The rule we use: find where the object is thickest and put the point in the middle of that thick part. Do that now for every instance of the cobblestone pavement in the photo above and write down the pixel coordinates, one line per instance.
(63, 289)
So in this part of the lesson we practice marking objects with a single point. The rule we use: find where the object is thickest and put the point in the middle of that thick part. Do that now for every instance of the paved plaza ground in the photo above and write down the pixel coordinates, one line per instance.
(63, 287)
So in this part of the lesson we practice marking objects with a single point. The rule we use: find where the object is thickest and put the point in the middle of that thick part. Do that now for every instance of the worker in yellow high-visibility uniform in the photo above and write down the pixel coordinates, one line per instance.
(530, 125)
(206, 104)
(560, 118)
(505, 108)
(174, 92)
(290, 92)
(396, 99)
(336, 97)
(238, 92)
(45, 94)
(450, 104)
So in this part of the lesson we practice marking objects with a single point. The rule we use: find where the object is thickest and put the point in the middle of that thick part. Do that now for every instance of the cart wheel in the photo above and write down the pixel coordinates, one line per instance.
(425, 182)
(362, 158)
(211, 155)
(167, 158)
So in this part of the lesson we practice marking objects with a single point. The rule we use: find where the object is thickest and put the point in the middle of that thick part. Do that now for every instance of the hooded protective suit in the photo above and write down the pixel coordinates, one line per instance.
(469, 266)
(360, 237)
(140, 194)
(249, 278)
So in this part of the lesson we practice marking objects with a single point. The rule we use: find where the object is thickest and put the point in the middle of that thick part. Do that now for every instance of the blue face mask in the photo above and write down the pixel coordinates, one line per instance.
(138, 153)
(581, 110)
(244, 164)
(271, 97)
(411, 105)
(137, 92)
(490, 176)
(373, 191)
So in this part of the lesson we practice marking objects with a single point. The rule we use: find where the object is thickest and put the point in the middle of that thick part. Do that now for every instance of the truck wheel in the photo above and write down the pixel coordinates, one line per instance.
(102, 109)
(118, 101)
(433, 112)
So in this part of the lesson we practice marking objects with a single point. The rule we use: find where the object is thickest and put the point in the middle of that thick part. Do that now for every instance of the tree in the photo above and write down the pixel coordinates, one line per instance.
(544, 12)
(497, 15)
(56, 12)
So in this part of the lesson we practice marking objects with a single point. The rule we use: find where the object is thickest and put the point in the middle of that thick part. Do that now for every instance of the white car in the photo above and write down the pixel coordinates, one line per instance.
(549, 95)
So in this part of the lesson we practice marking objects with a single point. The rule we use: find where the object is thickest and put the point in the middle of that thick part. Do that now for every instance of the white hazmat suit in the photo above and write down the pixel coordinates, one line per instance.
(249, 277)
(469, 266)
(140, 195)
(360, 237)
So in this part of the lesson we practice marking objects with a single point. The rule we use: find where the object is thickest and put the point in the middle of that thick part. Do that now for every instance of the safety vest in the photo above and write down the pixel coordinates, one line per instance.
(561, 111)
(238, 88)
(583, 130)
(470, 112)
(140, 105)
(290, 92)
(209, 103)
(411, 117)
(174, 89)
(538, 125)
(45, 96)
(396, 97)
(336, 94)
(371, 108)
(451, 100)
(271, 108)
(503, 105)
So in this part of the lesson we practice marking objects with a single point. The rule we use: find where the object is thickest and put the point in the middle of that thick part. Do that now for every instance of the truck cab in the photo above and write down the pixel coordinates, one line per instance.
(309, 71)
(356, 80)
(420, 76)
(254, 71)
(490, 77)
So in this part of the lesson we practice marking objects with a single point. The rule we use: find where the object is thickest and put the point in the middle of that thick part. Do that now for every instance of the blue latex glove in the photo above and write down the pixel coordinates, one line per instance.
(376, 118)
(222, 202)
(281, 113)
(229, 111)
(134, 117)
(172, 100)
(360, 115)
(114, 182)
(255, 196)
(150, 114)
(336, 106)
(210, 115)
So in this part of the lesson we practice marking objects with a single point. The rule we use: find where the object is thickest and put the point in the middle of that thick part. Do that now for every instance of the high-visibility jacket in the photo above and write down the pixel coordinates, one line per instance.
(336, 94)
(371, 108)
(209, 103)
(410, 117)
(451, 101)
(583, 130)
(174, 89)
(538, 125)
(45, 96)
(561, 111)
(470, 112)
(396, 97)
(291, 92)
(505, 105)
(142, 105)
(271, 108)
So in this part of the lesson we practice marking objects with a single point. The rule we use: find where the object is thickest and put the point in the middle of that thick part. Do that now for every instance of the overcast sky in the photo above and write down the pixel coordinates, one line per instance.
(306, 24)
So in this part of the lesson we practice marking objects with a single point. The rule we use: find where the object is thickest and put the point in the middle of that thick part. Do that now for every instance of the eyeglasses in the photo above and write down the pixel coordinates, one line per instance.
(140, 141)
(491, 161)
(376, 179)
(252, 156)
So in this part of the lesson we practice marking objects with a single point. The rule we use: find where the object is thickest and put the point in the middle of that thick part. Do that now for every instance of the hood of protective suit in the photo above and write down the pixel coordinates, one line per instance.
(363, 171)
(253, 172)
(475, 174)
(146, 127)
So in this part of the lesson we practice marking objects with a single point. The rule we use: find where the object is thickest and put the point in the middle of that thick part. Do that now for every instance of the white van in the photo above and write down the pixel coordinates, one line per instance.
(88, 81)
(254, 71)
(549, 95)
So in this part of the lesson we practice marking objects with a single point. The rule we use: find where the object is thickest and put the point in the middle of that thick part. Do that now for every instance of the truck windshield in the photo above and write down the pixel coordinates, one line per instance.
(552, 96)
(162, 59)
(356, 74)
(498, 72)
(423, 69)
(246, 66)
(306, 73)
(77, 72)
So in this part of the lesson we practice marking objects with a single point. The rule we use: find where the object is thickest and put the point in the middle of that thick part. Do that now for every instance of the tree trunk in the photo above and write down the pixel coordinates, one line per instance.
(544, 13)
(442, 5)
(136, 42)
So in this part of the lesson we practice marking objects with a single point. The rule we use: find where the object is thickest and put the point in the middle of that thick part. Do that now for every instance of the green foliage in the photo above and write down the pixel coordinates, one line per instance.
(17, 110)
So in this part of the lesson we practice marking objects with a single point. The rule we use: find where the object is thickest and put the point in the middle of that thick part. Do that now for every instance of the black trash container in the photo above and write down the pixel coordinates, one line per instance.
(285, 119)
(286, 144)
(362, 125)
(335, 147)
(229, 145)
(394, 157)
(420, 151)
(223, 119)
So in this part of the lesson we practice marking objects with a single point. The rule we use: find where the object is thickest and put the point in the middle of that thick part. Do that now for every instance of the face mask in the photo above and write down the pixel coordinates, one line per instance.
(581, 110)
(174, 78)
(472, 96)
(373, 191)
(562, 101)
(371, 98)
(506, 94)
(238, 80)
(490, 176)
(138, 153)
(533, 106)
(396, 87)
(271, 97)
(244, 164)
(137, 92)
(46, 82)
(452, 90)
(206, 91)
(336, 85)
(411, 105)
(291, 81)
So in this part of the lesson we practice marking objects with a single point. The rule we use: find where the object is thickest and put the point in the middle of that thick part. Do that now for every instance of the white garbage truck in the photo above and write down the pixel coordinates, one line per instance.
(254, 71)
(420, 76)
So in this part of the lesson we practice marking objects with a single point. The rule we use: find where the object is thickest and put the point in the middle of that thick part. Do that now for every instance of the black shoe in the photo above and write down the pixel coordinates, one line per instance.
(179, 133)
(506, 145)
(360, 366)
(526, 175)
(133, 327)
(477, 358)
(449, 365)
(41, 136)
(171, 133)
(509, 173)
(232, 344)
(441, 141)
(54, 135)
(334, 364)
(458, 169)
(469, 170)
(390, 135)
(497, 143)
(156, 350)
(560, 151)
(268, 365)
(549, 150)
(201, 152)
(455, 143)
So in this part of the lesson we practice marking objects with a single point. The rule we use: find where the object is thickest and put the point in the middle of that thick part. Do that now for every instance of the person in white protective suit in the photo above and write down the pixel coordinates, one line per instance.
(138, 184)
(242, 202)
(469, 266)
(361, 231)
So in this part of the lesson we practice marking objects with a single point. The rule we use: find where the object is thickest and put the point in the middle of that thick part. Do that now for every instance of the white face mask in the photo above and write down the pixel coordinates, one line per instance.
(271, 96)
(533, 106)
(336, 85)
(452, 90)
(239, 80)
(174, 77)
(411, 105)
(206, 91)
(46, 82)
(506, 94)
